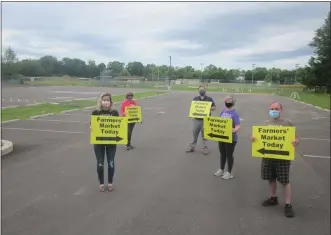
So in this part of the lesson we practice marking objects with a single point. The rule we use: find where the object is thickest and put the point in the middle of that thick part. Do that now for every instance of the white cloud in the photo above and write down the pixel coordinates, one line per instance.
(138, 29)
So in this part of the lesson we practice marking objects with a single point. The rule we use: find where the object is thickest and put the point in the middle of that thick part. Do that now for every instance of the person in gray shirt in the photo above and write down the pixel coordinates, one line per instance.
(275, 170)
(198, 122)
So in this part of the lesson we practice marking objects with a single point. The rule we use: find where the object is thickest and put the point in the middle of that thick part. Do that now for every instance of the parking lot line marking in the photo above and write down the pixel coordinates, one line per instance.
(25, 129)
(314, 139)
(45, 120)
(313, 156)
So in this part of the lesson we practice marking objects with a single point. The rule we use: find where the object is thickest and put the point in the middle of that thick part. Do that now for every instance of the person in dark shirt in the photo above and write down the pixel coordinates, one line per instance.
(104, 108)
(198, 122)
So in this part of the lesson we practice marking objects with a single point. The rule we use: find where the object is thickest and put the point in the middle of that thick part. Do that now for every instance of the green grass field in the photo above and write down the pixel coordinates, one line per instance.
(317, 99)
(26, 112)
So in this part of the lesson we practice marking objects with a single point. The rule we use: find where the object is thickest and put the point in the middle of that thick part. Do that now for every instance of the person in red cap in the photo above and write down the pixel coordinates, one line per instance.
(126, 103)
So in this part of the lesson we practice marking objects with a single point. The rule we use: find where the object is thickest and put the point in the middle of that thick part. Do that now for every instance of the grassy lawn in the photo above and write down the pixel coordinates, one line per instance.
(26, 112)
(317, 99)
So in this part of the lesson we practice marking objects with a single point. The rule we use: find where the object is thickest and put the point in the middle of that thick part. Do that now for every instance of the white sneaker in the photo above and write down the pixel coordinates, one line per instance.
(219, 172)
(227, 176)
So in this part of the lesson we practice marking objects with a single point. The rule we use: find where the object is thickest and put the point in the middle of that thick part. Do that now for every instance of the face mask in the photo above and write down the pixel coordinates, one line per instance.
(202, 93)
(129, 97)
(105, 103)
(274, 113)
(228, 105)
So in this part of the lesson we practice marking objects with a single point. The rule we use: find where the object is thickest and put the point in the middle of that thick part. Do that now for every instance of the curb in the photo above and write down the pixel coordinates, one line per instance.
(7, 147)
(42, 115)
(297, 101)
(72, 110)
(147, 97)
(69, 110)
(9, 121)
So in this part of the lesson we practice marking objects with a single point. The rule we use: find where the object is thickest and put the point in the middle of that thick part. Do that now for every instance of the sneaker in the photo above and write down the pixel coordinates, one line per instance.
(205, 151)
(102, 188)
(131, 147)
(190, 150)
(127, 148)
(270, 201)
(227, 176)
(110, 188)
(219, 172)
(289, 211)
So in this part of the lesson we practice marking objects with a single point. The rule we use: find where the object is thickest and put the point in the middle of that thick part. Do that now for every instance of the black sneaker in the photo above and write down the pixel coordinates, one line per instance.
(289, 211)
(270, 201)
(128, 148)
(131, 147)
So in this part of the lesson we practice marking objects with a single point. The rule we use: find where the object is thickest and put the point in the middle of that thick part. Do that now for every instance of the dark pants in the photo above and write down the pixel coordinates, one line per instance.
(226, 152)
(130, 129)
(110, 150)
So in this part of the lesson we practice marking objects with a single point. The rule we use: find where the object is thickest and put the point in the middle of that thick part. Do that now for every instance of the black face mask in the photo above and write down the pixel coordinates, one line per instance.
(228, 105)
(202, 93)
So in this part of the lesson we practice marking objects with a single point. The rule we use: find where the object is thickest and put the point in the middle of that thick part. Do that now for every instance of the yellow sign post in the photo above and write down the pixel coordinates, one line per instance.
(273, 142)
(133, 113)
(200, 109)
(218, 129)
(109, 130)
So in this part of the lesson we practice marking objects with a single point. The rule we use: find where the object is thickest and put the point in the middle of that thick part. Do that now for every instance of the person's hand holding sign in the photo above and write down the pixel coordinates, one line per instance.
(252, 138)
(295, 142)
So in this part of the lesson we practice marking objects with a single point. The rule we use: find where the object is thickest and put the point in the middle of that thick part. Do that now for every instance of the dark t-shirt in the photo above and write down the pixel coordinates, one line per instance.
(112, 112)
(207, 99)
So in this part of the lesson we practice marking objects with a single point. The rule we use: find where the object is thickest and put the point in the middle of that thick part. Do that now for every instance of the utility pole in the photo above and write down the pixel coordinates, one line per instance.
(296, 70)
(253, 65)
(158, 73)
(169, 72)
(201, 64)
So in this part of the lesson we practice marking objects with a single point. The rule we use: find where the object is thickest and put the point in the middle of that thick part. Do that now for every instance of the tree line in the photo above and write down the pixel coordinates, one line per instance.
(316, 73)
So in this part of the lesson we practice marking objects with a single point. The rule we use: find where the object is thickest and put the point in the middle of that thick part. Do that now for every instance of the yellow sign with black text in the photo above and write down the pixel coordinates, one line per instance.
(273, 142)
(200, 109)
(133, 113)
(109, 130)
(218, 129)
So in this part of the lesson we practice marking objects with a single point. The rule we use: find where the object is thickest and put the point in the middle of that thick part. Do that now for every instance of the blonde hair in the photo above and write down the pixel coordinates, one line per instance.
(99, 105)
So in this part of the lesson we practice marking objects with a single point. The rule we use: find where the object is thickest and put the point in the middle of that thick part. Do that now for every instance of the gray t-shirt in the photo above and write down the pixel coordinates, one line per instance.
(280, 122)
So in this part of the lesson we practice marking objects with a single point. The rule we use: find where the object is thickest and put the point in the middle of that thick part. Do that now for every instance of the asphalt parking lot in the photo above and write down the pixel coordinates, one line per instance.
(49, 181)
(25, 95)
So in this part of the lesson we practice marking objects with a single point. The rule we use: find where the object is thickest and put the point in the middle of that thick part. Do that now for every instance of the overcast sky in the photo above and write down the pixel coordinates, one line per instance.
(228, 35)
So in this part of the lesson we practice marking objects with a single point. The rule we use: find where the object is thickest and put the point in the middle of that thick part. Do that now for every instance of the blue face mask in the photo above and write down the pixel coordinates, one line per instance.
(274, 113)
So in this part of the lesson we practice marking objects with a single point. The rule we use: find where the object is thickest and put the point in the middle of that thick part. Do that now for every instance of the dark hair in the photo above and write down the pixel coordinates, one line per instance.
(275, 102)
(202, 87)
(128, 94)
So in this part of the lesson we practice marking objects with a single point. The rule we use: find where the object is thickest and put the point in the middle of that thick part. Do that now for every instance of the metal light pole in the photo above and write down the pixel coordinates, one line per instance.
(253, 65)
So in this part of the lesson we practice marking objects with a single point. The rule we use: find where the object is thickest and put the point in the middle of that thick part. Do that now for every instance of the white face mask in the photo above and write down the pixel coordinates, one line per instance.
(105, 103)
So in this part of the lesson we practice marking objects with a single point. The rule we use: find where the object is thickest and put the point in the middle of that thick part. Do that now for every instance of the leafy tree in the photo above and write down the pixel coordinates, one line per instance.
(320, 64)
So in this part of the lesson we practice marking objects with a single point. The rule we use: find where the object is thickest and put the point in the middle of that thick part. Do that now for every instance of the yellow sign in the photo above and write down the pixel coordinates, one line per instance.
(199, 109)
(109, 130)
(133, 113)
(218, 129)
(273, 142)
